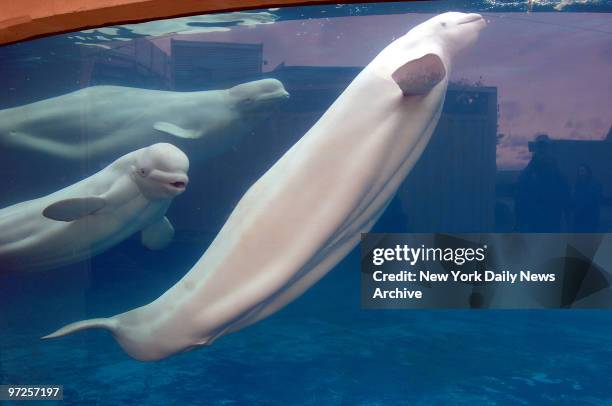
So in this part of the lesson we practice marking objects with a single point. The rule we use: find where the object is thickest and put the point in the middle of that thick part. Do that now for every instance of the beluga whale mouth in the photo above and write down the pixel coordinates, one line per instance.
(179, 184)
(470, 18)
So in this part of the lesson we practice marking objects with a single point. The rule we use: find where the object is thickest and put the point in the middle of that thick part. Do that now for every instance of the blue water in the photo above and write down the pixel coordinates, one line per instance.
(322, 348)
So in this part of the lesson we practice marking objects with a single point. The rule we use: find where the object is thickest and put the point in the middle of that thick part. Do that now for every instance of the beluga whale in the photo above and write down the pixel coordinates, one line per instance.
(101, 121)
(130, 195)
(307, 212)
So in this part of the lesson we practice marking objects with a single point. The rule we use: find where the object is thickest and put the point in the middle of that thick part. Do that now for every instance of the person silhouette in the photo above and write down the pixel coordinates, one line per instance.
(543, 194)
(586, 201)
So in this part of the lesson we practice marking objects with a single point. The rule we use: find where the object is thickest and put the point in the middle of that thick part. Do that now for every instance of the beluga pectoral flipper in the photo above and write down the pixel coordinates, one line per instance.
(75, 208)
(173, 129)
(307, 212)
(419, 76)
(157, 235)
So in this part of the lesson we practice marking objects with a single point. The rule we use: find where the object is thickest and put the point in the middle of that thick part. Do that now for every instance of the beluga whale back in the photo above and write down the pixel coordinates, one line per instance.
(130, 195)
(308, 210)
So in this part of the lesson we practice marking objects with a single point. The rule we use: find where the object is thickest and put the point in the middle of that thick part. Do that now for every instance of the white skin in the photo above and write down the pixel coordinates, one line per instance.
(137, 190)
(307, 212)
(97, 121)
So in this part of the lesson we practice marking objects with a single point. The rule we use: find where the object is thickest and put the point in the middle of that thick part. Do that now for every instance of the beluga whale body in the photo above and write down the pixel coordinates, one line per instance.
(99, 121)
(308, 210)
(132, 194)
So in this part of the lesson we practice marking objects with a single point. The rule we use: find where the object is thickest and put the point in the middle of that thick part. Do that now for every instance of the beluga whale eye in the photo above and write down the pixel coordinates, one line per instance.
(443, 24)
(142, 172)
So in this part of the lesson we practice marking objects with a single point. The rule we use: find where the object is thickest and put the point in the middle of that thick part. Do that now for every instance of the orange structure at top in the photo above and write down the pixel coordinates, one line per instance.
(25, 19)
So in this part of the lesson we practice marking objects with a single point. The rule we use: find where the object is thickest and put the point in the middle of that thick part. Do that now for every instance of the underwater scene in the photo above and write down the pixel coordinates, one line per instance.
(183, 201)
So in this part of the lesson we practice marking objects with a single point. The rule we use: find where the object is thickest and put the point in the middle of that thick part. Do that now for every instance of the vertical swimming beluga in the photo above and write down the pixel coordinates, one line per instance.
(308, 210)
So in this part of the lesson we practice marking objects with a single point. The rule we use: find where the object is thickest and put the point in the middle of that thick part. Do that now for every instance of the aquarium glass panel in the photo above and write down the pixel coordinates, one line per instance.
(249, 150)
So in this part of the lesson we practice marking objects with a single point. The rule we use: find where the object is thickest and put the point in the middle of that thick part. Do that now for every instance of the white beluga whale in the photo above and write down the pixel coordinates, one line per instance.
(130, 195)
(306, 213)
(102, 120)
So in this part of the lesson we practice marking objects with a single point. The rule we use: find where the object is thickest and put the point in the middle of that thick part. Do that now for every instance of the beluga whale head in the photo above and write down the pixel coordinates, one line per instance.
(421, 59)
(257, 95)
(160, 171)
(452, 31)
